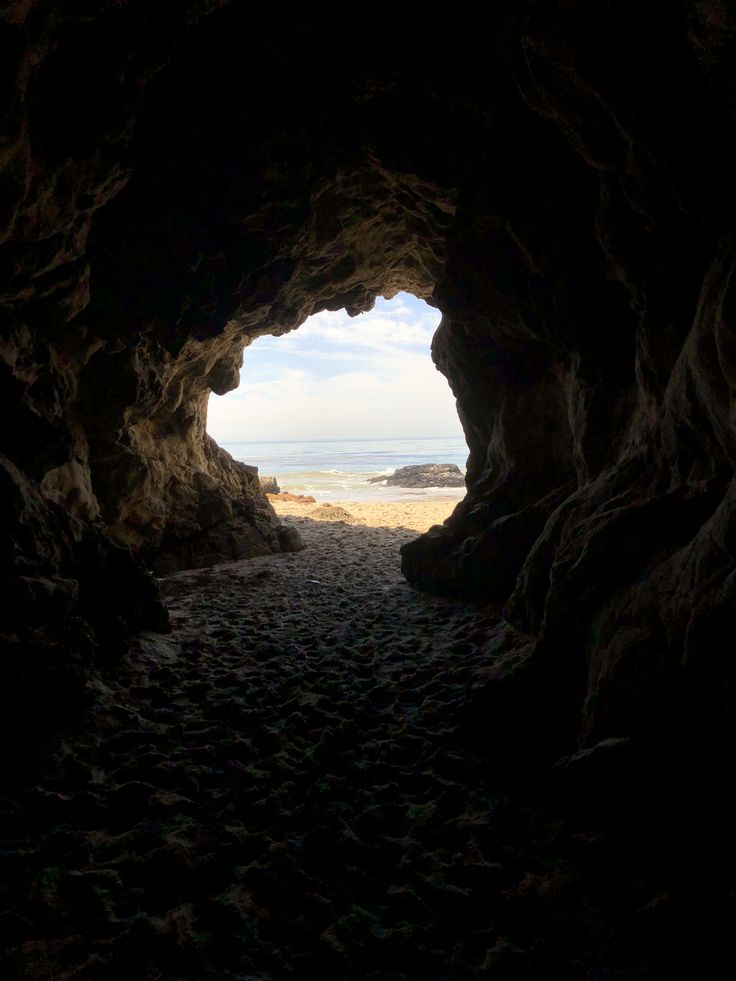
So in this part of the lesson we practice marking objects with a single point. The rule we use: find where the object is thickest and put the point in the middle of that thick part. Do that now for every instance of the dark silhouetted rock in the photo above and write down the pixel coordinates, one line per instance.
(423, 475)
(289, 539)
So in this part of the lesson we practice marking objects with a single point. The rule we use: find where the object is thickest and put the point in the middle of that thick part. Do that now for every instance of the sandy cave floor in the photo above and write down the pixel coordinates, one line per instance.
(276, 790)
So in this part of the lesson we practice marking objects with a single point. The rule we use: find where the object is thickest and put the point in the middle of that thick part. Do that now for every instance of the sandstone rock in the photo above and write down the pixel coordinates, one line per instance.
(460, 559)
(293, 498)
(70, 597)
(332, 512)
(269, 485)
(423, 475)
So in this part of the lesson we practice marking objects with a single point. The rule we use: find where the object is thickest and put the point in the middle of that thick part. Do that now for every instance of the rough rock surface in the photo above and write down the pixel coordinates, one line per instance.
(294, 498)
(557, 178)
(70, 600)
(424, 475)
(269, 485)
(332, 512)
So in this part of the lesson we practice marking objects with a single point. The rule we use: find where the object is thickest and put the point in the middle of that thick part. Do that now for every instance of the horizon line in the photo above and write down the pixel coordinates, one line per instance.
(331, 439)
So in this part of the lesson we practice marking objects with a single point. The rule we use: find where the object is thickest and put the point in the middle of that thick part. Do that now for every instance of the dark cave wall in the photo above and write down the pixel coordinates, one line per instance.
(557, 179)
(622, 510)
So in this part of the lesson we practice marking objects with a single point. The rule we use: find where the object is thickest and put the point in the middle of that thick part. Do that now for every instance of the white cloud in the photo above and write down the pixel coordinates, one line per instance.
(340, 378)
(372, 331)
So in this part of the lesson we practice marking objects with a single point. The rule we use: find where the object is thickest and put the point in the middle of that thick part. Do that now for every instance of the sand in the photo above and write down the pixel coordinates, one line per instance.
(417, 515)
(285, 787)
(275, 789)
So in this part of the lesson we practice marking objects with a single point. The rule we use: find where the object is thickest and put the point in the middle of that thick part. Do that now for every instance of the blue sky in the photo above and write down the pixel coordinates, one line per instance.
(340, 377)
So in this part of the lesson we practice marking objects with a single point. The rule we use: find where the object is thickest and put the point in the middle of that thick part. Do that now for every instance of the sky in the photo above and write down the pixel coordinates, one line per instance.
(340, 377)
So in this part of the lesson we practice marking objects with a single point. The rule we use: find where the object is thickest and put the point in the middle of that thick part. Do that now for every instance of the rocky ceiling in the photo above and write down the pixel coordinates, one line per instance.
(558, 178)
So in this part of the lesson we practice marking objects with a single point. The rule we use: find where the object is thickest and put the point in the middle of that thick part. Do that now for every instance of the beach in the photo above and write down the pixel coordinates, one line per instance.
(418, 514)
(352, 470)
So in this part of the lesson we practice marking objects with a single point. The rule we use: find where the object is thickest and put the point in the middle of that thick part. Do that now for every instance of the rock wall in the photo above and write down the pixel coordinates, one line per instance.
(600, 421)
(176, 180)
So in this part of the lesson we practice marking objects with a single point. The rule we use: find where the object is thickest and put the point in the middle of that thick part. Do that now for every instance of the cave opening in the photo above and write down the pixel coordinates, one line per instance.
(335, 406)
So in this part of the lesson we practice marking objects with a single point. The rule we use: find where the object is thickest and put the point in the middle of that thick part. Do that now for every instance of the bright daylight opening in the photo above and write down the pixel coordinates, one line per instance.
(335, 408)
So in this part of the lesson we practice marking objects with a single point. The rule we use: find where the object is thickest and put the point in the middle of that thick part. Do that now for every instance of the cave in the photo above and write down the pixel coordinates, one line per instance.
(557, 178)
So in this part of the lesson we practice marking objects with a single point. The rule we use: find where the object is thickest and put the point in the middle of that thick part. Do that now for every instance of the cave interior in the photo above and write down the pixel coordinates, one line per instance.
(557, 177)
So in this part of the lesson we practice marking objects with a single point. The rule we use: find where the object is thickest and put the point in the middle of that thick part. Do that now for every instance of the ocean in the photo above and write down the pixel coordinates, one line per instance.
(332, 469)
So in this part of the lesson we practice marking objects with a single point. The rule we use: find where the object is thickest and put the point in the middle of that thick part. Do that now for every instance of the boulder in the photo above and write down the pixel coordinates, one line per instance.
(332, 512)
(423, 475)
(289, 539)
(269, 485)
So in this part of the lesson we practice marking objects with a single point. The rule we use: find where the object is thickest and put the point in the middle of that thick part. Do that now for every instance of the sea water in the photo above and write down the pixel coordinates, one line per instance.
(331, 469)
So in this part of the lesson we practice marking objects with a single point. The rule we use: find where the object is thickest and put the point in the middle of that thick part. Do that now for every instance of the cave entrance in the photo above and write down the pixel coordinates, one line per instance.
(334, 408)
